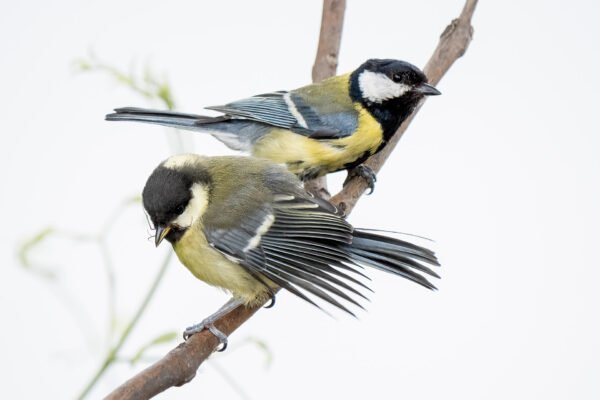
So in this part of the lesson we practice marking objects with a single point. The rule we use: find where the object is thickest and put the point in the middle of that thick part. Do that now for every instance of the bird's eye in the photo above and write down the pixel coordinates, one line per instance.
(179, 210)
(397, 78)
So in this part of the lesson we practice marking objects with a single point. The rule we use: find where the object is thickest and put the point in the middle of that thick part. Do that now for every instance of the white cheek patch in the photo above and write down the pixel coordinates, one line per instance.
(376, 87)
(195, 208)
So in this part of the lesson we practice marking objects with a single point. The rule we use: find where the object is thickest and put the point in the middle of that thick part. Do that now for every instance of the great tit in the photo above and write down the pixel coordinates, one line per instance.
(325, 127)
(248, 226)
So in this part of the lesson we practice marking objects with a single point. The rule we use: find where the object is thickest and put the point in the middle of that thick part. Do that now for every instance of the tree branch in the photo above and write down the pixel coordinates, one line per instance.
(453, 43)
(330, 37)
(179, 366)
(325, 66)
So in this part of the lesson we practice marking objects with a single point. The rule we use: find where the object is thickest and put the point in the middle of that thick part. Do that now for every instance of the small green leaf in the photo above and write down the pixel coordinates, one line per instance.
(164, 338)
(82, 65)
(25, 249)
(164, 93)
(137, 199)
(29, 244)
(145, 83)
(264, 347)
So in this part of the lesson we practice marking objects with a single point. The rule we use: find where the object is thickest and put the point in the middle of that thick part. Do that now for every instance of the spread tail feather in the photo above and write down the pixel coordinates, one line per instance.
(394, 256)
(166, 118)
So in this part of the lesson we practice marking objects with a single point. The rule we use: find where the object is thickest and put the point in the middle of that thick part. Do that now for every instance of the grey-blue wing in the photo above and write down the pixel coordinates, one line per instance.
(290, 111)
(294, 241)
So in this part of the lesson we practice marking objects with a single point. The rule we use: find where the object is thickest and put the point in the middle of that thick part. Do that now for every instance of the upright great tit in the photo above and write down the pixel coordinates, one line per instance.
(317, 129)
(248, 226)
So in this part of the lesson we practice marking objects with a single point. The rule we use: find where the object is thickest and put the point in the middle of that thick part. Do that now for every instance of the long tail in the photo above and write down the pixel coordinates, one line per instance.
(394, 256)
(165, 118)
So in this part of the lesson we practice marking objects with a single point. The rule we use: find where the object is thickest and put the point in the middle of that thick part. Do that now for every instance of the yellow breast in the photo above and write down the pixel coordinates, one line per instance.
(367, 137)
(301, 153)
(212, 267)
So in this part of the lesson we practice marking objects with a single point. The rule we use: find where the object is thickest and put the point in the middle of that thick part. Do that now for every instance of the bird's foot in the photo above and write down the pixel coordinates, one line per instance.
(208, 323)
(364, 172)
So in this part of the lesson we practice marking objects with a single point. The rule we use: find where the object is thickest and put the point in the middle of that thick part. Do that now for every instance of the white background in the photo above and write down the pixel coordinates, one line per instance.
(501, 170)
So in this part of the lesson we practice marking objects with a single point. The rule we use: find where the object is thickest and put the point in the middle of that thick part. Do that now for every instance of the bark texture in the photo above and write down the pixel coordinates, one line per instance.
(453, 43)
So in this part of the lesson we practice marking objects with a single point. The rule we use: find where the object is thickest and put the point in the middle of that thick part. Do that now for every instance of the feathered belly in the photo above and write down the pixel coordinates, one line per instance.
(310, 158)
(212, 267)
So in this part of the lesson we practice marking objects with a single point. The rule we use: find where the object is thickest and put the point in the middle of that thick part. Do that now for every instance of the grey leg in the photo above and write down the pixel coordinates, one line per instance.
(208, 323)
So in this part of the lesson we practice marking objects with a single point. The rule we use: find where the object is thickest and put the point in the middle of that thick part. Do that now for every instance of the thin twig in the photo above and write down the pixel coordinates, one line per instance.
(113, 352)
(453, 43)
(180, 364)
(111, 285)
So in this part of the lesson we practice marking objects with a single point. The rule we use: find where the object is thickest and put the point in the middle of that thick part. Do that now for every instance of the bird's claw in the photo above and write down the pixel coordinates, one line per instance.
(192, 330)
(271, 303)
(364, 172)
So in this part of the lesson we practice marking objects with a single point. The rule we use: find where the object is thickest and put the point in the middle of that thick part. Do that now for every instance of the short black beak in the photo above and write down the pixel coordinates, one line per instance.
(427, 90)
(161, 233)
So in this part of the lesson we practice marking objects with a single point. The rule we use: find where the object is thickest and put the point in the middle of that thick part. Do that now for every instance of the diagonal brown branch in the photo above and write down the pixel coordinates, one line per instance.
(453, 43)
(180, 364)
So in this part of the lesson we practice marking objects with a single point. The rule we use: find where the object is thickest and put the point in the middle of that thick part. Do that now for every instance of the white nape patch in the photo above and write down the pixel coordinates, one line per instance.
(178, 161)
(292, 107)
(195, 208)
(262, 229)
(377, 87)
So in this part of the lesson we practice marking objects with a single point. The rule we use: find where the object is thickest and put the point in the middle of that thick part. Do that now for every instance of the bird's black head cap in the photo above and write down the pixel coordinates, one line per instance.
(390, 90)
(396, 70)
(167, 193)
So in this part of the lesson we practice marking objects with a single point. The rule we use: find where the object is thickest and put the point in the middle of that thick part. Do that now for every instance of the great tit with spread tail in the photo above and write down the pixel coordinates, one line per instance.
(248, 226)
(325, 127)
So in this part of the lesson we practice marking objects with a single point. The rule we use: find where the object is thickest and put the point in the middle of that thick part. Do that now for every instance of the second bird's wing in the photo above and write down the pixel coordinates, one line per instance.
(295, 242)
(289, 110)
